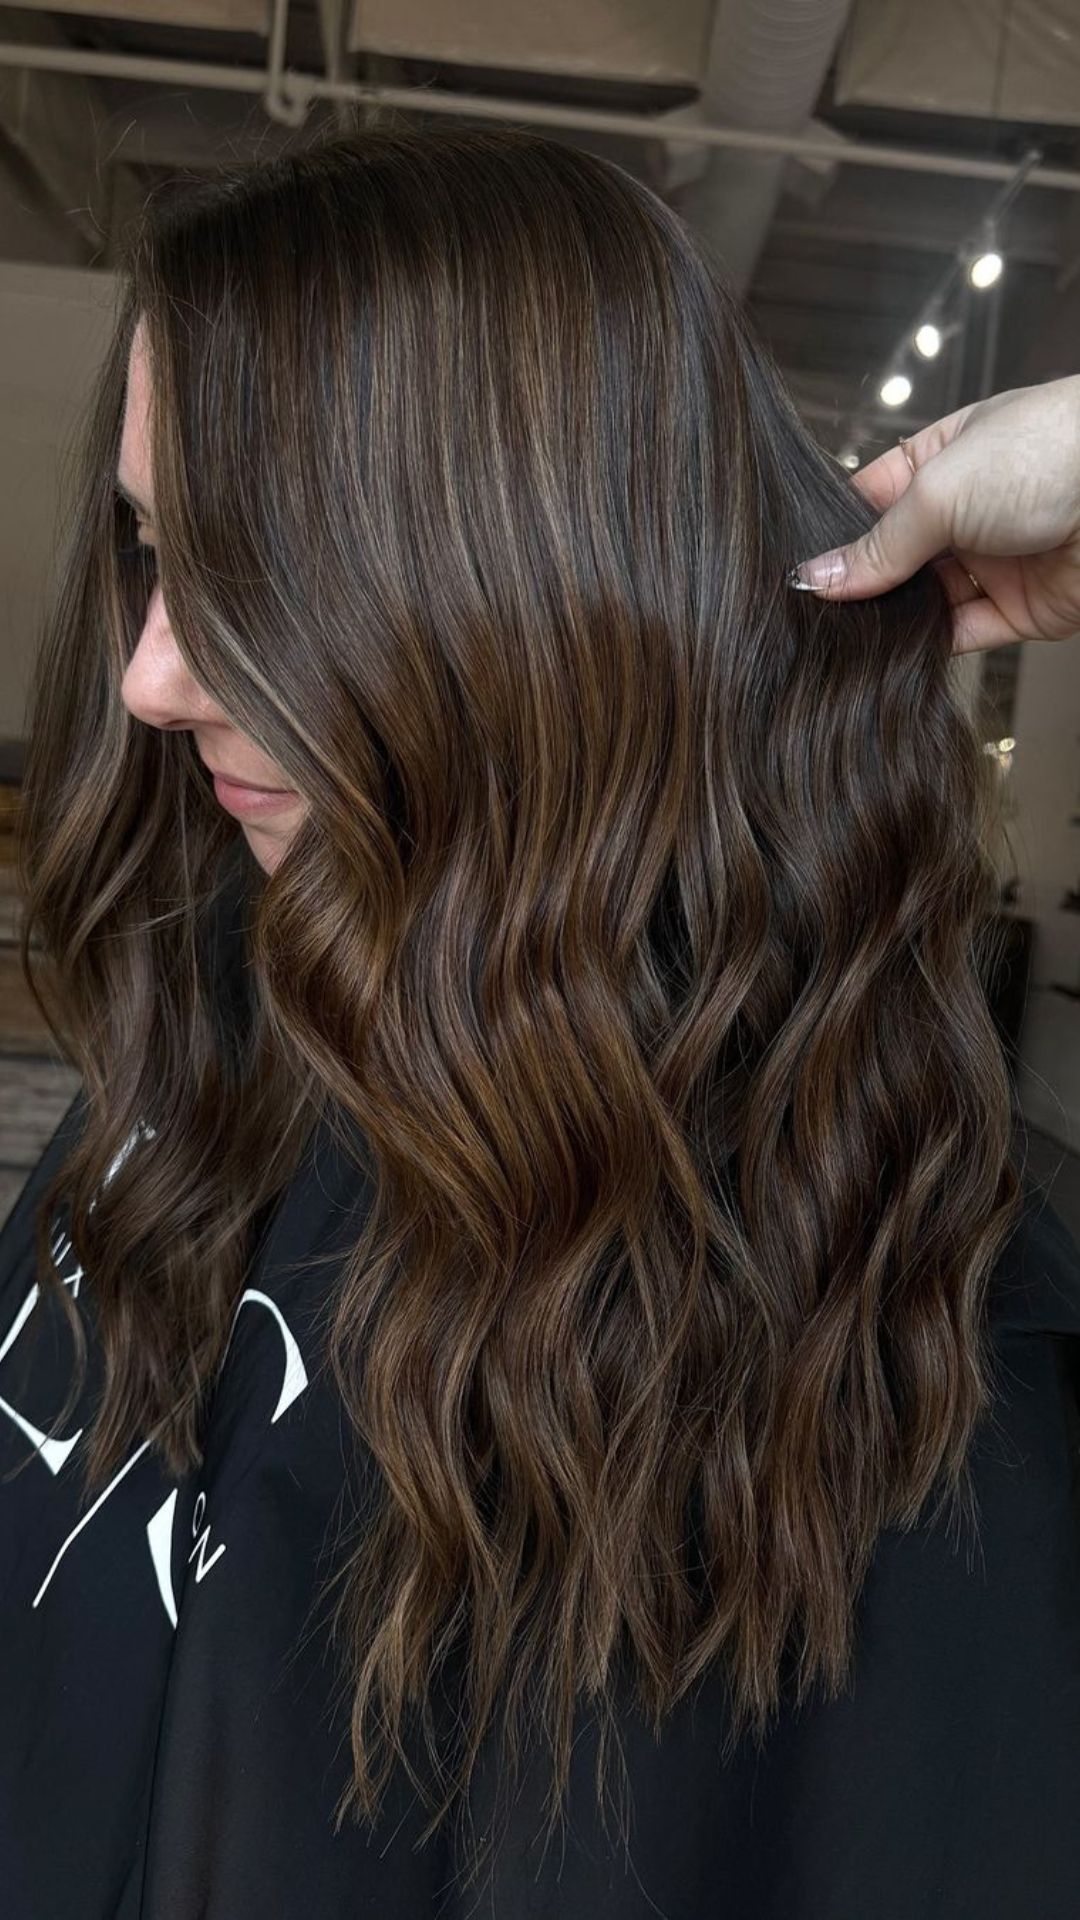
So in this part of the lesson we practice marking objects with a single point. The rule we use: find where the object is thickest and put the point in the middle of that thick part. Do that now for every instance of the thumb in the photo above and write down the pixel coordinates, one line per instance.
(909, 533)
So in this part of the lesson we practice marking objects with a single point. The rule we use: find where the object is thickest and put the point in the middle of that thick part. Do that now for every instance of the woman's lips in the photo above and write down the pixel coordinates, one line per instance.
(245, 801)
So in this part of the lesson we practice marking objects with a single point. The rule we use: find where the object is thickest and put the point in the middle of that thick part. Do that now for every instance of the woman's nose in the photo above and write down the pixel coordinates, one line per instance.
(157, 687)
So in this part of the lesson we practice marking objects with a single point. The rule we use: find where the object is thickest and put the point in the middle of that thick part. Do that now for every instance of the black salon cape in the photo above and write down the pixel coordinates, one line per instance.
(172, 1743)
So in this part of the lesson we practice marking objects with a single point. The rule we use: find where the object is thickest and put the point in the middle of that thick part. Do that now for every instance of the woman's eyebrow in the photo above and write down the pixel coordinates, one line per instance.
(138, 505)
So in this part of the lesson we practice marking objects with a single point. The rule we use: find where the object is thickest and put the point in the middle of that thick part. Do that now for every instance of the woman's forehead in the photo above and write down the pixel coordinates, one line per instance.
(133, 466)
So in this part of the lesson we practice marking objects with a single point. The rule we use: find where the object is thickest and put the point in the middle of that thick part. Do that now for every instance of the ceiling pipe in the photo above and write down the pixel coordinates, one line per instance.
(303, 88)
(766, 67)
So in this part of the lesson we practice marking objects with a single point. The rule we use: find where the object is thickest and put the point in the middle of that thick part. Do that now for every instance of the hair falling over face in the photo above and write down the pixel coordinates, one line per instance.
(638, 923)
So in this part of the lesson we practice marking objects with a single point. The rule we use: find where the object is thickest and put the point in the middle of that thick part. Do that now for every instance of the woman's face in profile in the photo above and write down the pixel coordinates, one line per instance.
(157, 687)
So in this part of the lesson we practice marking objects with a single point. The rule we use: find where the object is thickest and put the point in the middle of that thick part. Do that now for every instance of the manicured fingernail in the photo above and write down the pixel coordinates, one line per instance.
(820, 572)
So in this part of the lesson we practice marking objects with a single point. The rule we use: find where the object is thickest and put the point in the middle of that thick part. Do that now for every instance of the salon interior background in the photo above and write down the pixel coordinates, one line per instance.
(853, 162)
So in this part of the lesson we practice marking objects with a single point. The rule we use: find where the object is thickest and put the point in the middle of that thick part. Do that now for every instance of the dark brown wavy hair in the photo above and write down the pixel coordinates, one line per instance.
(638, 927)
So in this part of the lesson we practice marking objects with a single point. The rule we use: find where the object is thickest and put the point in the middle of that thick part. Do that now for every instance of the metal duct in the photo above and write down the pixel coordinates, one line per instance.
(766, 66)
(227, 16)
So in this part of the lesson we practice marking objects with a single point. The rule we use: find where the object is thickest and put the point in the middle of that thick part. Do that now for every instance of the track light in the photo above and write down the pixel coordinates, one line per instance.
(895, 390)
(985, 269)
(978, 256)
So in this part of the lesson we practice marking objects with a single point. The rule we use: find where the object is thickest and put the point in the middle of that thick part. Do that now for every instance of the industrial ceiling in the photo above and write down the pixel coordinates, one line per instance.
(838, 155)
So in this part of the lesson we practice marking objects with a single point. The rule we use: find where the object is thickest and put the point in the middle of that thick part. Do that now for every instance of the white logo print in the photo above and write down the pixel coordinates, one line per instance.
(201, 1539)
(54, 1453)
(159, 1537)
(295, 1377)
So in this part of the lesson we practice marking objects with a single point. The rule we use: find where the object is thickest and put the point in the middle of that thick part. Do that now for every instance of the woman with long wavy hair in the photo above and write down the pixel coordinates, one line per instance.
(537, 1263)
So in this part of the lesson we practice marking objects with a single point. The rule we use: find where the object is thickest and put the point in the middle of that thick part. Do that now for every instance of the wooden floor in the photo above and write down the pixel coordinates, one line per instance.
(36, 1086)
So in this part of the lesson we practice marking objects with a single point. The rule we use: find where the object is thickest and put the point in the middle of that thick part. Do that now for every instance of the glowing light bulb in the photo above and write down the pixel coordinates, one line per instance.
(985, 269)
(895, 390)
(928, 340)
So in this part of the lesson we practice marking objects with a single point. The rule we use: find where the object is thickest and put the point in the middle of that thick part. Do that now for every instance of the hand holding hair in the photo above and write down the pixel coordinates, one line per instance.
(991, 495)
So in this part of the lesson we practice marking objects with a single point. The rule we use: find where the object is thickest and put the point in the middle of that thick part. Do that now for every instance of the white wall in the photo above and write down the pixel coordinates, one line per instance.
(55, 323)
(1045, 779)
